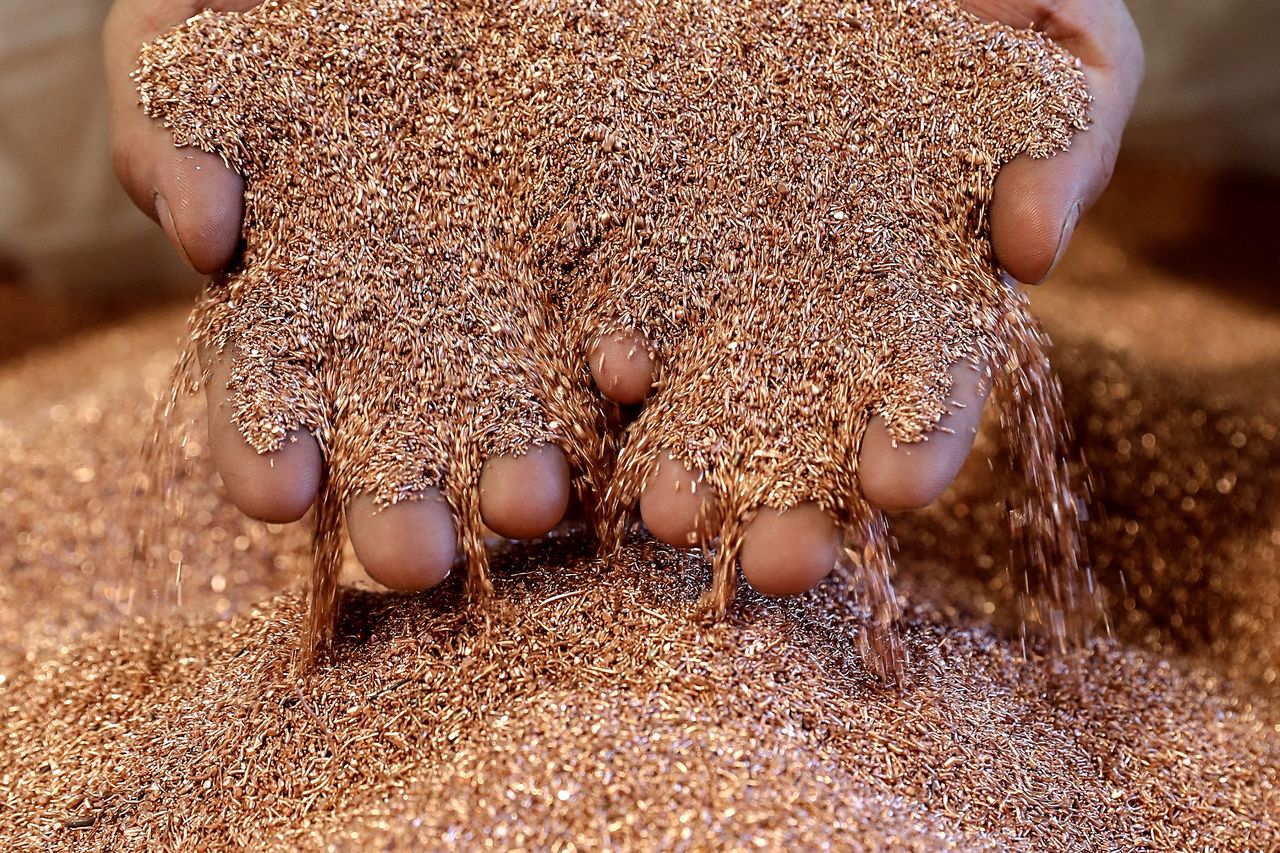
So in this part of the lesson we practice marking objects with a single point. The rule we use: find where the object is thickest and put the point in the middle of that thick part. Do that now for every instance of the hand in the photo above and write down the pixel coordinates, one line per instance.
(1038, 203)
(199, 202)
(1034, 213)
(193, 195)
(1036, 207)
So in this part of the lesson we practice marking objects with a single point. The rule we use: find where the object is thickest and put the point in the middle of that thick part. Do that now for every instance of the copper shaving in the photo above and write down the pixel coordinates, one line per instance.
(447, 202)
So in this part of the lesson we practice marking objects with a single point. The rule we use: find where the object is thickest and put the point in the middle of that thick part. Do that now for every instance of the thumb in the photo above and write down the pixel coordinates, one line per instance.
(1037, 203)
(194, 196)
(200, 204)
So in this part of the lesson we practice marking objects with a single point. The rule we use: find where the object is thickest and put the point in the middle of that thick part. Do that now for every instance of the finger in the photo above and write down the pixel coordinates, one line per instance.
(193, 195)
(525, 496)
(898, 476)
(1038, 203)
(786, 553)
(276, 487)
(409, 546)
(622, 366)
(677, 504)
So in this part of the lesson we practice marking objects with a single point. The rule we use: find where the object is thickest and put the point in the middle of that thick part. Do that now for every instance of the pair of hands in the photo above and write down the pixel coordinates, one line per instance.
(199, 203)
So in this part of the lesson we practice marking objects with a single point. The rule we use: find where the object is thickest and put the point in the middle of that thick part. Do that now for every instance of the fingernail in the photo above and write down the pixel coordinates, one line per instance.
(171, 230)
(1064, 239)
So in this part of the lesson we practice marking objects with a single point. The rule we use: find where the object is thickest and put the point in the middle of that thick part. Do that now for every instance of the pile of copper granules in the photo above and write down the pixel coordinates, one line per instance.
(528, 727)
(447, 202)
(589, 706)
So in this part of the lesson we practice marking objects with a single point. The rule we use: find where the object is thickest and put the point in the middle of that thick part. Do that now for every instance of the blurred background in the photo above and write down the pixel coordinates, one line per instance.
(1205, 137)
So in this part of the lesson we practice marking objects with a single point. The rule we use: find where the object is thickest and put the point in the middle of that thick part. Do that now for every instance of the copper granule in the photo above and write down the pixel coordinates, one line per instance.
(447, 201)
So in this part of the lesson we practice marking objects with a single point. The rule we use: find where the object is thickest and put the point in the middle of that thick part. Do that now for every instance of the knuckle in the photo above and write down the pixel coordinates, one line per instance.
(1106, 153)
(1048, 13)
(1045, 15)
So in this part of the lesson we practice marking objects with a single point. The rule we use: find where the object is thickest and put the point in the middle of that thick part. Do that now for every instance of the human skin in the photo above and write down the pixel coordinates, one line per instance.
(198, 201)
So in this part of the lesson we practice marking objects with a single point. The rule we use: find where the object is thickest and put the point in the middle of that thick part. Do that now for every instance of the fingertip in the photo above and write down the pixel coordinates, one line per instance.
(203, 199)
(895, 476)
(276, 487)
(522, 497)
(677, 505)
(622, 366)
(787, 553)
(200, 204)
(409, 546)
(1034, 212)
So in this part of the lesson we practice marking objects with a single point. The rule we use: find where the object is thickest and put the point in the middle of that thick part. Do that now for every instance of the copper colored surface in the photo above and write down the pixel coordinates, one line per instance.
(592, 707)
(588, 705)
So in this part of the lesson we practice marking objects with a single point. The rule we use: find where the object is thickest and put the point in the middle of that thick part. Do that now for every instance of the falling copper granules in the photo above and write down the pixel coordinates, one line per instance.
(447, 202)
